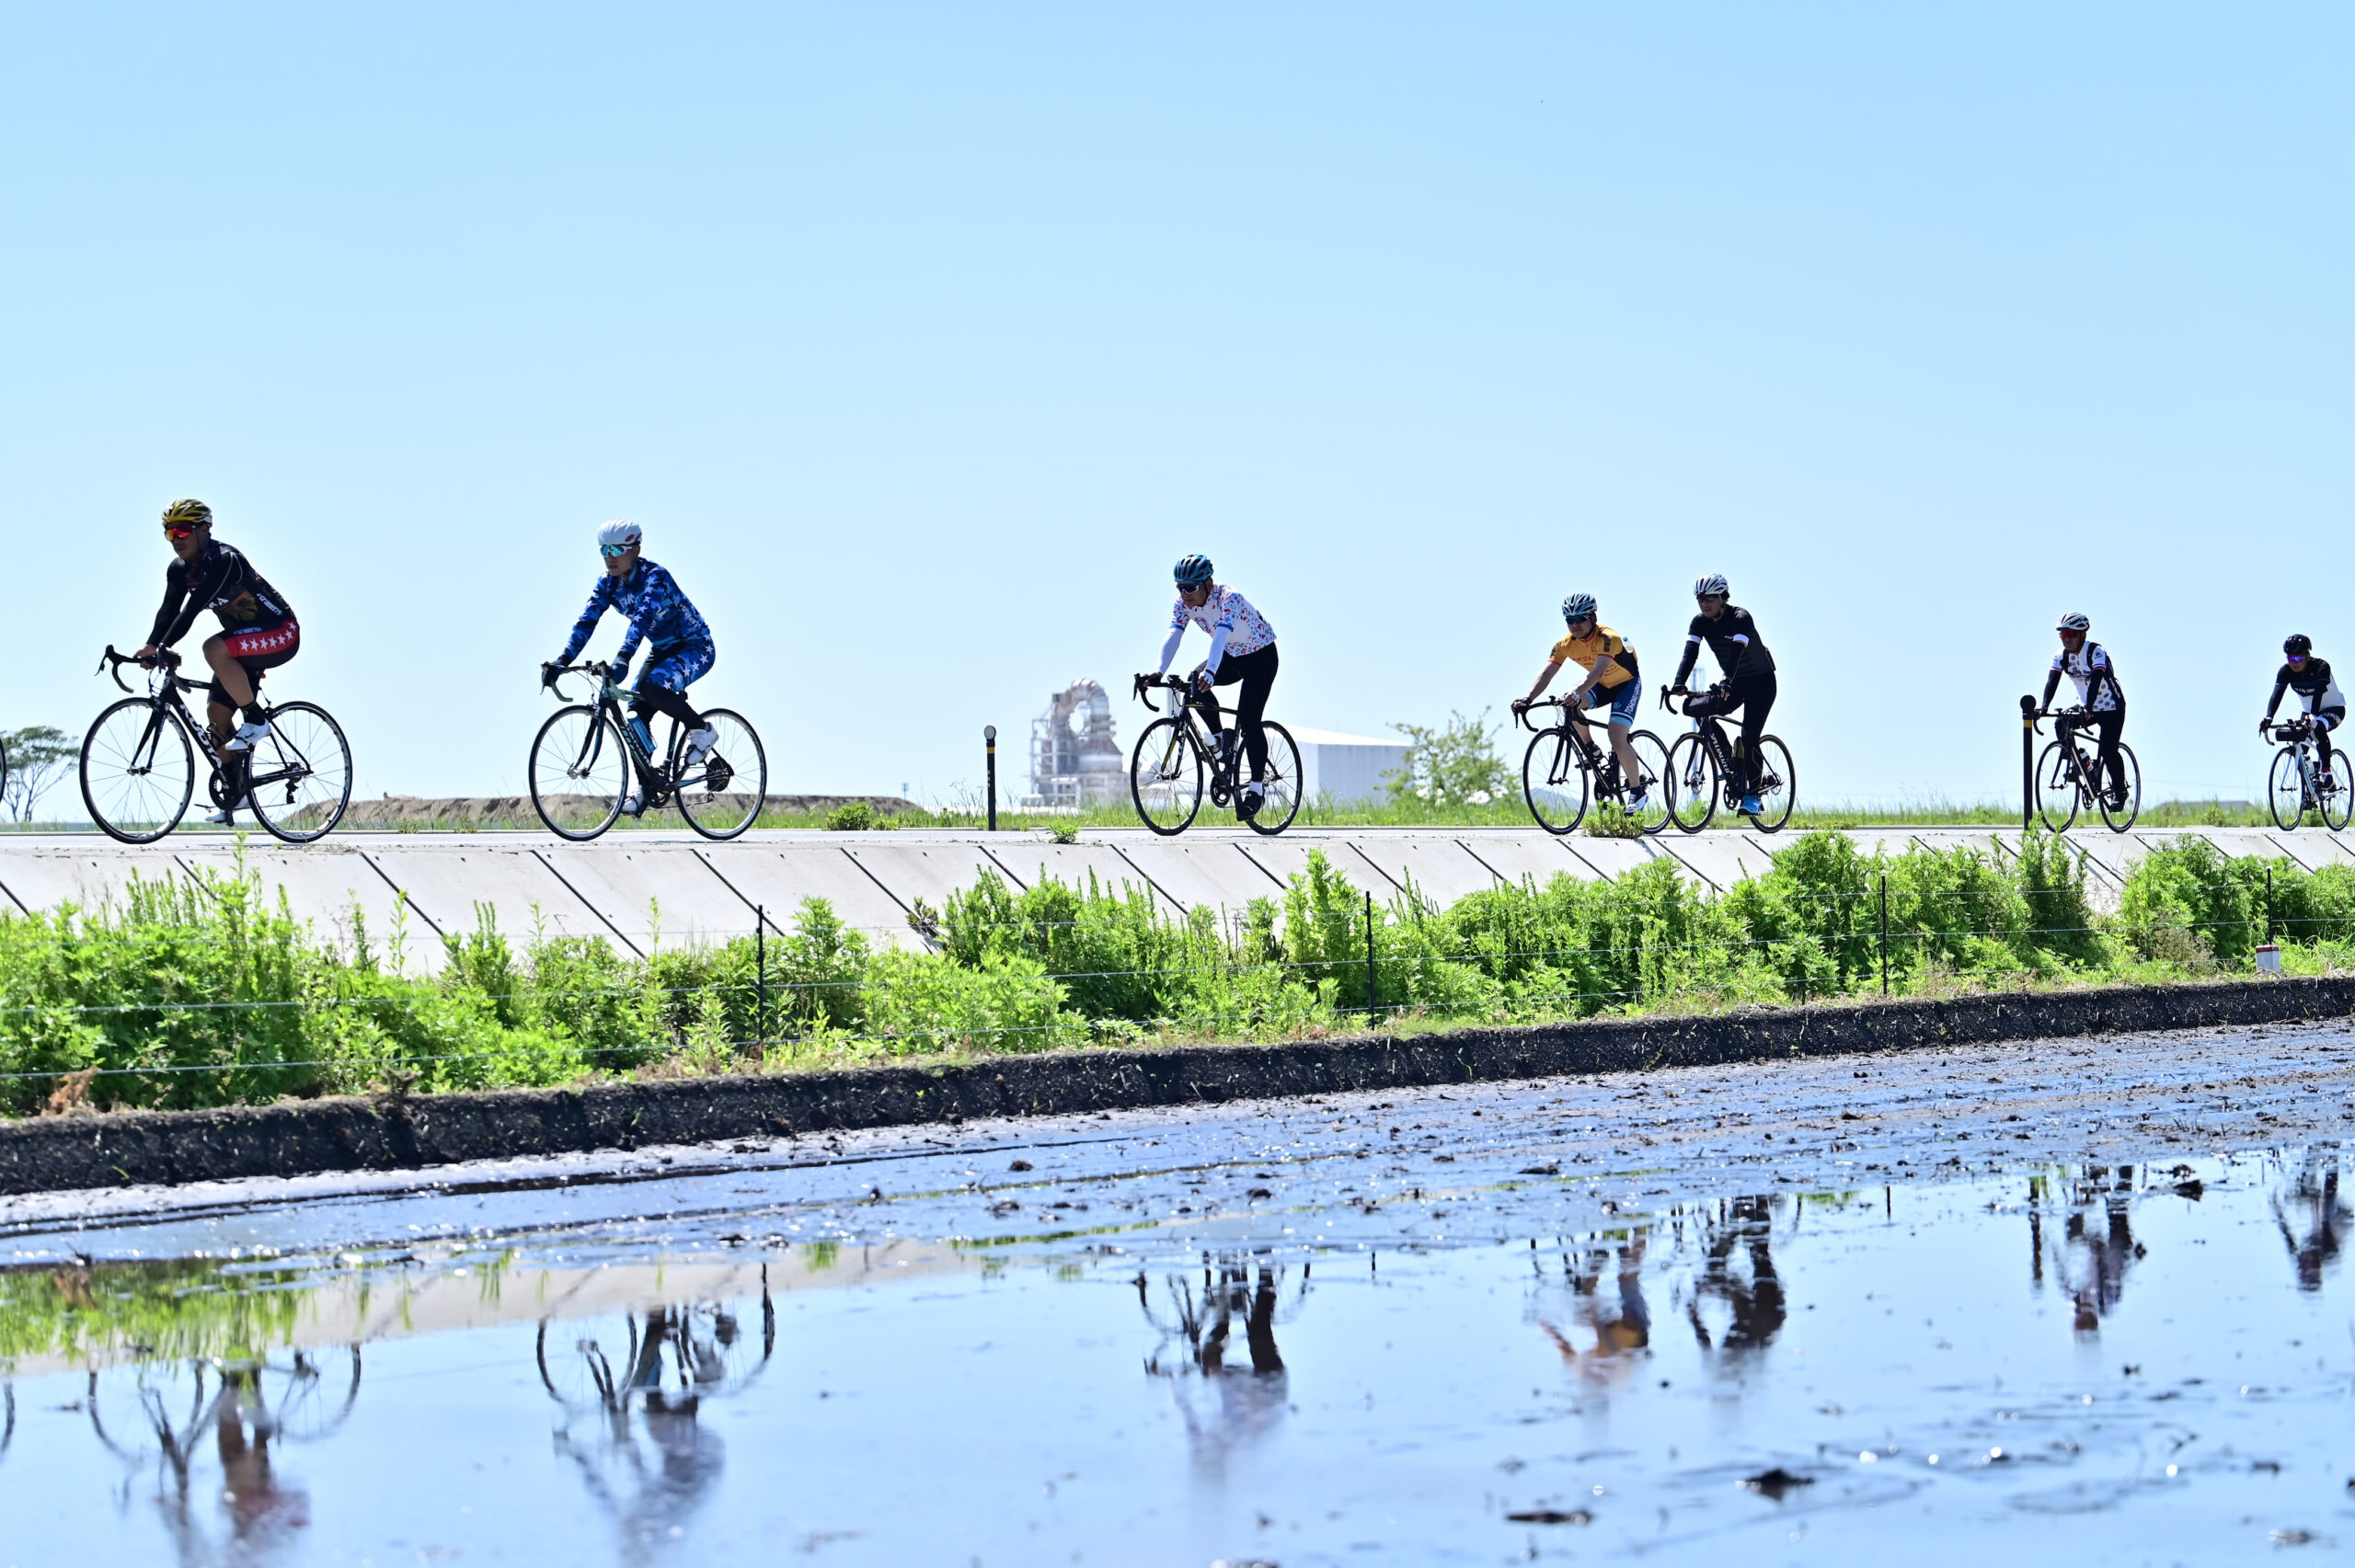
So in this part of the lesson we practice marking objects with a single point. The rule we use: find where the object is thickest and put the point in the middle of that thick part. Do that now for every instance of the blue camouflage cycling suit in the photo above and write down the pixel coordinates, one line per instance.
(680, 651)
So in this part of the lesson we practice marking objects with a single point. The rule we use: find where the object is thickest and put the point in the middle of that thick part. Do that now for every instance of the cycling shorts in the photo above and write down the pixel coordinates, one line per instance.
(674, 669)
(1625, 701)
(256, 648)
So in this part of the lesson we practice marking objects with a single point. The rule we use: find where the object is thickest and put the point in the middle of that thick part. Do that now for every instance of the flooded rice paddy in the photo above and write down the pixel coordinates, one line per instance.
(1801, 1313)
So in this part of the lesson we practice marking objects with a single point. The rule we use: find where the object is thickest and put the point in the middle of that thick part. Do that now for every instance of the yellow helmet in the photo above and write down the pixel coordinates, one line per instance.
(188, 514)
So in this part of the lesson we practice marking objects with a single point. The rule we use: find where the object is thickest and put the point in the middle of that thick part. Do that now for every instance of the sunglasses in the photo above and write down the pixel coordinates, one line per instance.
(177, 531)
(615, 552)
(2298, 658)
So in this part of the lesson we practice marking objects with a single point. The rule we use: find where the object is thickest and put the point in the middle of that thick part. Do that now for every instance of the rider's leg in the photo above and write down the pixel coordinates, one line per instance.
(662, 688)
(1625, 703)
(2108, 725)
(237, 658)
(1757, 696)
(2325, 721)
(1256, 673)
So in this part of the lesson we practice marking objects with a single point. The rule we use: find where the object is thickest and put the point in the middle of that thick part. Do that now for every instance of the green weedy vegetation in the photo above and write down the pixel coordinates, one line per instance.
(206, 994)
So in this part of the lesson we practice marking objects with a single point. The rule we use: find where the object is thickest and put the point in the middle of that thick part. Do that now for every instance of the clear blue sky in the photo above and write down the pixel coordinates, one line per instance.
(922, 339)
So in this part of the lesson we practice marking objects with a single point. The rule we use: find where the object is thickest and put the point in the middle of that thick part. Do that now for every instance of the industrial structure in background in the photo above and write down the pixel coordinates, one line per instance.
(1075, 757)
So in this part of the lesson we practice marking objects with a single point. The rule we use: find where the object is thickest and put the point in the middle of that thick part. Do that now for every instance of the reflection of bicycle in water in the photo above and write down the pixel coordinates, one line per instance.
(1620, 1325)
(1197, 1338)
(2313, 1201)
(1737, 1282)
(648, 1373)
(248, 1406)
(2089, 1262)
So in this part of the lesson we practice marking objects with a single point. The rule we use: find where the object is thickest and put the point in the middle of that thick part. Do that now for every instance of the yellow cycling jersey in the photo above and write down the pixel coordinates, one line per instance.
(1603, 644)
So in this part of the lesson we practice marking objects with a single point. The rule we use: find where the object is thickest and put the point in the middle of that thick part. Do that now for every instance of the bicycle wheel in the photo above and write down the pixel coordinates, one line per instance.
(299, 778)
(1552, 780)
(1657, 782)
(2285, 789)
(1691, 782)
(579, 772)
(1778, 784)
(1166, 776)
(2123, 818)
(2336, 801)
(721, 795)
(138, 770)
(2056, 786)
(1279, 801)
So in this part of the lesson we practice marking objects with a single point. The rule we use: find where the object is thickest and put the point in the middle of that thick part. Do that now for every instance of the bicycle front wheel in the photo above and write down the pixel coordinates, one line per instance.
(1778, 784)
(1166, 776)
(1656, 781)
(1281, 786)
(2331, 792)
(138, 770)
(299, 778)
(2056, 786)
(2122, 818)
(1691, 781)
(722, 794)
(579, 772)
(1552, 780)
(2285, 789)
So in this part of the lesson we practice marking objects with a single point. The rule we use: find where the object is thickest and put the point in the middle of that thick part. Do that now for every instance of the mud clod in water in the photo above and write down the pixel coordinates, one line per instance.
(1551, 1517)
(1776, 1482)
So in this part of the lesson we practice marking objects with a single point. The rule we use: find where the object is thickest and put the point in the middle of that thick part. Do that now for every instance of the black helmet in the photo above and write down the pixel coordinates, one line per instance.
(2297, 645)
(1191, 570)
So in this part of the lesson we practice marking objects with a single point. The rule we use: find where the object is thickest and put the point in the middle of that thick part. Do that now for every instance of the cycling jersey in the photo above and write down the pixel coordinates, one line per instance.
(2317, 689)
(1733, 637)
(656, 611)
(220, 580)
(1227, 616)
(1604, 649)
(2095, 676)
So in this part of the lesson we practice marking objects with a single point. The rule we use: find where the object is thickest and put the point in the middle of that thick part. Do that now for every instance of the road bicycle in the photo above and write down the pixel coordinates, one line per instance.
(589, 760)
(2067, 767)
(1701, 774)
(1176, 755)
(139, 762)
(1561, 772)
(2298, 783)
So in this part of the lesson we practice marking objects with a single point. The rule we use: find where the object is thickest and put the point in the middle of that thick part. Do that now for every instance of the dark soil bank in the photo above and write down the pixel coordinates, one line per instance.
(74, 1152)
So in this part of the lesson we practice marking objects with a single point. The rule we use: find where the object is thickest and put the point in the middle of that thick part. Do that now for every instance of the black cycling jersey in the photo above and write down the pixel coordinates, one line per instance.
(220, 579)
(1733, 637)
(2316, 687)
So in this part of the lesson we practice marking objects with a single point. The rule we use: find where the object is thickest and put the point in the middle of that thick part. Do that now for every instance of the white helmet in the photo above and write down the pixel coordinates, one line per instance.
(620, 533)
(1714, 583)
(2073, 622)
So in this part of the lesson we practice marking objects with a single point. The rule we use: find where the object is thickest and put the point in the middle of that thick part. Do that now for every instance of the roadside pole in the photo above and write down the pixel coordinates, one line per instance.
(2028, 763)
(989, 738)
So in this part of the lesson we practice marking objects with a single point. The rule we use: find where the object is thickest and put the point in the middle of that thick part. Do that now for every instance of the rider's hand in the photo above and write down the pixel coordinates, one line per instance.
(146, 657)
(548, 673)
(2262, 726)
(1521, 705)
(1202, 683)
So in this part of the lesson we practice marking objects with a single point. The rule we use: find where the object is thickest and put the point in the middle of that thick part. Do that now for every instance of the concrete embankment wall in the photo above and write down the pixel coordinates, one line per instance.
(649, 889)
(72, 1153)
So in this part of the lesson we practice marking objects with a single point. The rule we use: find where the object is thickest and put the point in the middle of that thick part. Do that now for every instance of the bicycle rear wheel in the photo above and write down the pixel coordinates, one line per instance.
(721, 795)
(1778, 784)
(2285, 789)
(138, 770)
(579, 772)
(2056, 786)
(299, 778)
(1691, 781)
(1657, 782)
(1552, 780)
(1281, 787)
(1166, 776)
(2123, 818)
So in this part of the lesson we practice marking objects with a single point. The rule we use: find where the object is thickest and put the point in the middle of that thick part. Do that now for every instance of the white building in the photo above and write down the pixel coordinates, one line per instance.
(1347, 767)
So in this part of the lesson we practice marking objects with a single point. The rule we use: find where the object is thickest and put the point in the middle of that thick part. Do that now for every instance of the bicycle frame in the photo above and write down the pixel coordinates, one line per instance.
(1190, 704)
(1578, 750)
(655, 781)
(165, 695)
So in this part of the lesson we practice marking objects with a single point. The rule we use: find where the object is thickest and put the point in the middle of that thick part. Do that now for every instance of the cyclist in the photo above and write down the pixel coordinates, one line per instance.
(257, 627)
(2317, 690)
(1243, 649)
(679, 646)
(2088, 664)
(1748, 682)
(1612, 681)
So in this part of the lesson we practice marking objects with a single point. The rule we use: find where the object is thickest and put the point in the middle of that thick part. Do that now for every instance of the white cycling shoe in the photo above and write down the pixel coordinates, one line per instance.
(248, 736)
(699, 744)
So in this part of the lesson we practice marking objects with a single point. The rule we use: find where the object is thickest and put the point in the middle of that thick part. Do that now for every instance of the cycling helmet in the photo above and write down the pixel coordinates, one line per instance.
(1714, 583)
(2073, 622)
(188, 514)
(1191, 570)
(1578, 607)
(2297, 645)
(620, 533)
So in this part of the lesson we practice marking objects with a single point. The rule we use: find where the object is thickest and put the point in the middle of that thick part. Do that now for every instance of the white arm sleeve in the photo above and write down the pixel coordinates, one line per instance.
(1170, 648)
(1218, 650)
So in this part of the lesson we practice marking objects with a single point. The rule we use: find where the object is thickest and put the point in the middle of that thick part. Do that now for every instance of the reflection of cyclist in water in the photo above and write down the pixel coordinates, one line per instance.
(1249, 1402)
(2090, 1262)
(1742, 1233)
(2314, 1199)
(1622, 1326)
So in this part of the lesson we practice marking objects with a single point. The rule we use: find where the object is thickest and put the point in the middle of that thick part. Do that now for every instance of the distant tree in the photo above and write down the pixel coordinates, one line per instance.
(1455, 764)
(38, 756)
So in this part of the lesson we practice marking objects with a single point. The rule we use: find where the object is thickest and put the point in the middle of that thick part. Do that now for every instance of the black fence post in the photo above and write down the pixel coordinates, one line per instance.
(1371, 1006)
(989, 736)
(761, 972)
(1884, 933)
(2028, 763)
(2268, 903)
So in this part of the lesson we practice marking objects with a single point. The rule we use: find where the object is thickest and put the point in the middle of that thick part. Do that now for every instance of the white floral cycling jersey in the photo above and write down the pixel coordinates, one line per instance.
(1234, 627)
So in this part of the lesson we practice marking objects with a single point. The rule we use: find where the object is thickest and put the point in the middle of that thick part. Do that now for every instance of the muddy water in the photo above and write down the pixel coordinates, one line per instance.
(2146, 1363)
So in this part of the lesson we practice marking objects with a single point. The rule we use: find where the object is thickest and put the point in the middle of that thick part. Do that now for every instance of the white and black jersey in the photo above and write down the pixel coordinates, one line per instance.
(1733, 637)
(2095, 676)
(2317, 687)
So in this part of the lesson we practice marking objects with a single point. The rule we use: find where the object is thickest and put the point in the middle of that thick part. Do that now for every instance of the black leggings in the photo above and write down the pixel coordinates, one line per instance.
(651, 699)
(1257, 671)
(2107, 724)
(1754, 695)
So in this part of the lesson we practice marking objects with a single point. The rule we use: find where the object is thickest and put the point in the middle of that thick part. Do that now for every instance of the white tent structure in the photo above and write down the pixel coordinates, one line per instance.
(1347, 767)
